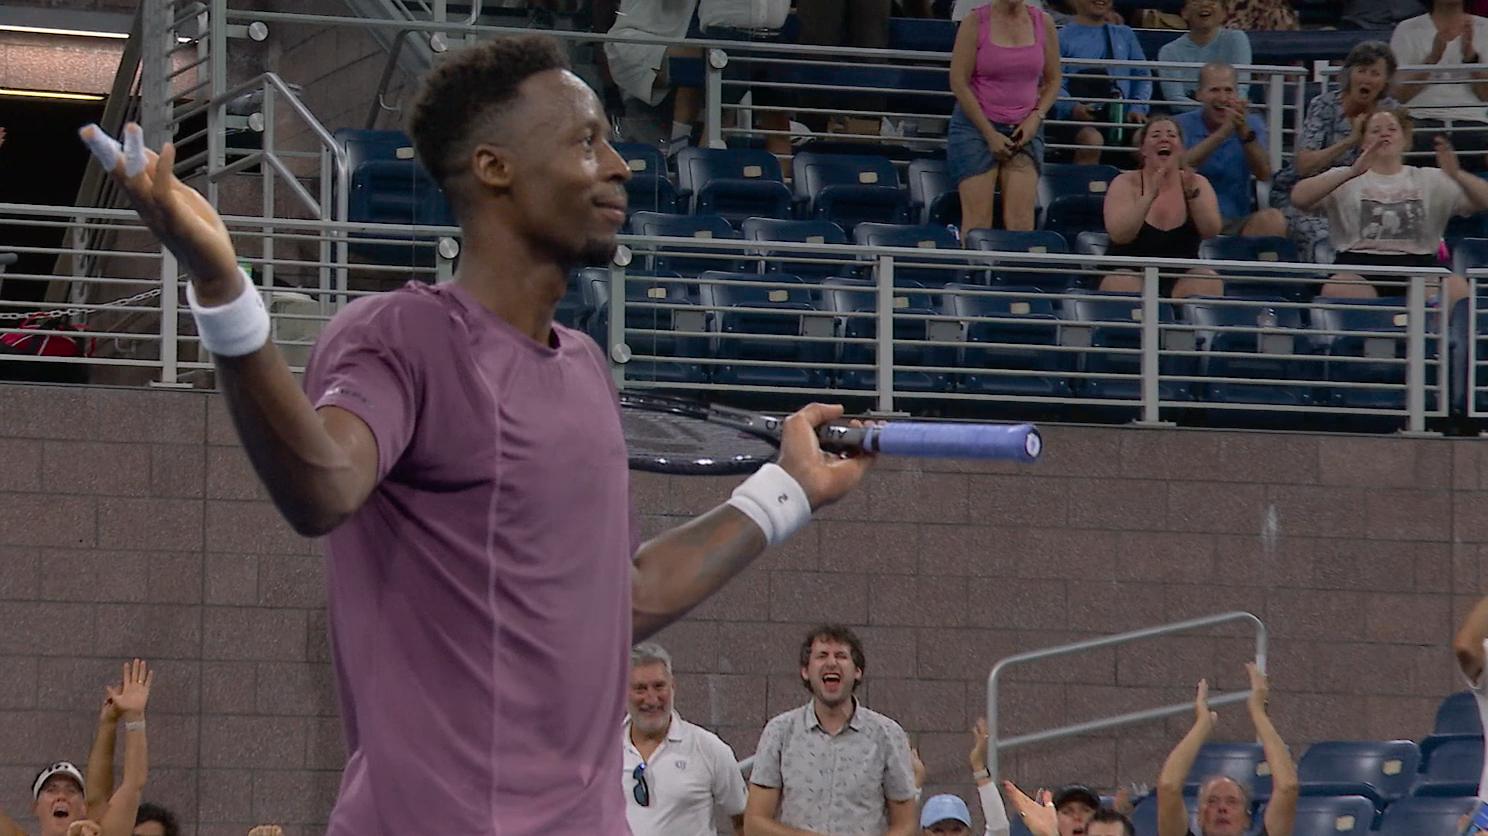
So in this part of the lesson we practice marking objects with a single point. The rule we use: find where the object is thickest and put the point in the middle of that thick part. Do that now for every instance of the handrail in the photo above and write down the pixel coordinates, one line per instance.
(994, 745)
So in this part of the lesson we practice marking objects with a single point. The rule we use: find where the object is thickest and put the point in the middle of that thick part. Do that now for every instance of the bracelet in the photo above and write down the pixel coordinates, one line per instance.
(981, 775)
(774, 501)
(240, 327)
(134, 725)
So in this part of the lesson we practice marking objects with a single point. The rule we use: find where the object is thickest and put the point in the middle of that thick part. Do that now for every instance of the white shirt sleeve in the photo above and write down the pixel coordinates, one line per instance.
(993, 810)
(729, 792)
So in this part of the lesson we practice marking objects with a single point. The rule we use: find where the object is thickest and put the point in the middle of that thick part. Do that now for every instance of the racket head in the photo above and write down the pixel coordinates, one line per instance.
(690, 438)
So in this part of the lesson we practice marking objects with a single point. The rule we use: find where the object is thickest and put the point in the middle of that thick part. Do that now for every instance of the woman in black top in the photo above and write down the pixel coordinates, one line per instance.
(1162, 210)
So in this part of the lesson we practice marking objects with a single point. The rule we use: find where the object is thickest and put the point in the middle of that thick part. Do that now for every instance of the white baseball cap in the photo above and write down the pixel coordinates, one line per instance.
(58, 768)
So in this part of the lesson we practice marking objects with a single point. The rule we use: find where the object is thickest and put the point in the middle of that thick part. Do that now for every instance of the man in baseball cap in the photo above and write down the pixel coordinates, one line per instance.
(1075, 804)
(945, 815)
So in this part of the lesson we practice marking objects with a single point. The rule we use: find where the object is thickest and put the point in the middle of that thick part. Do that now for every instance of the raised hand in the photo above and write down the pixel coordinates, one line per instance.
(1446, 157)
(1204, 717)
(1039, 816)
(109, 711)
(133, 693)
(1367, 157)
(1260, 688)
(179, 216)
(84, 827)
(978, 756)
(267, 830)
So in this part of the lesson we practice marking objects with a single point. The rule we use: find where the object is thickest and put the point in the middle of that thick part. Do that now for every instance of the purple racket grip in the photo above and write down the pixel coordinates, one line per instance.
(1018, 442)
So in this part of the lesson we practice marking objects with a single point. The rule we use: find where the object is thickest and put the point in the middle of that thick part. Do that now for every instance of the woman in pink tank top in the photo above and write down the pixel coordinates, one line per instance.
(1005, 74)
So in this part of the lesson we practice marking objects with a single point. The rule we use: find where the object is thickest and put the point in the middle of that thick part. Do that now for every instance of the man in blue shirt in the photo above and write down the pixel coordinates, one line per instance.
(1207, 41)
(1088, 35)
(1227, 145)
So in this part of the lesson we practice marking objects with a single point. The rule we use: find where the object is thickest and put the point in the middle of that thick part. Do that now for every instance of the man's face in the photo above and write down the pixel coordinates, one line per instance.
(1092, 8)
(830, 672)
(1204, 15)
(1222, 809)
(1073, 817)
(1105, 828)
(567, 181)
(149, 828)
(949, 827)
(59, 804)
(650, 699)
(1217, 91)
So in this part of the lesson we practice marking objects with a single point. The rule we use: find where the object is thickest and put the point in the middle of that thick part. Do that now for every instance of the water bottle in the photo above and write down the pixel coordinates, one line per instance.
(955, 232)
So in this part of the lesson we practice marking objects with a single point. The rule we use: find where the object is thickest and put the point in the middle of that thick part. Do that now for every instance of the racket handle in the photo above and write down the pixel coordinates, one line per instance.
(1018, 442)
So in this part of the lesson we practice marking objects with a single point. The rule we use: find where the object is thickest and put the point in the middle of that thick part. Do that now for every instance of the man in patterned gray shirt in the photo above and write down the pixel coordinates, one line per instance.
(831, 767)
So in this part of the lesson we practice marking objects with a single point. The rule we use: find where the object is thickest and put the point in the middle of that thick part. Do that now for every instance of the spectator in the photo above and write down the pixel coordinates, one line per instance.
(873, 791)
(1263, 16)
(1005, 74)
(1224, 805)
(154, 820)
(676, 774)
(1383, 212)
(1452, 101)
(966, 7)
(1064, 812)
(1331, 134)
(1162, 210)
(641, 70)
(856, 23)
(1207, 41)
(947, 815)
(1109, 823)
(1090, 36)
(1379, 14)
(1227, 145)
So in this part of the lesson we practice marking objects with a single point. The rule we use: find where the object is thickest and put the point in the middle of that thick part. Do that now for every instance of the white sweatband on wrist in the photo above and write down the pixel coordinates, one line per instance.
(134, 725)
(232, 330)
(775, 501)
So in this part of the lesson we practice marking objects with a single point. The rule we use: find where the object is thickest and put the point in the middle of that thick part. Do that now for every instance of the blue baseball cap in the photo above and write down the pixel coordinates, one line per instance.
(942, 807)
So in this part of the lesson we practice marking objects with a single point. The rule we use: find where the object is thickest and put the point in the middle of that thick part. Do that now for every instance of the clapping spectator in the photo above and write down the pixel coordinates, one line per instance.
(1124, 89)
(1227, 144)
(1445, 100)
(1065, 812)
(1224, 805)
(1207, 41)
(1005, 74)
(1331, 135)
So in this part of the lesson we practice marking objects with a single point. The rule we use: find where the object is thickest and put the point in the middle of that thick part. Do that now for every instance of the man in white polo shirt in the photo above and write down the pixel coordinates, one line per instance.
(676, 773)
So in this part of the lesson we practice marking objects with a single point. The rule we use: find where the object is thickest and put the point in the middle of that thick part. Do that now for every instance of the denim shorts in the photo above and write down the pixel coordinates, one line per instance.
(967, 154)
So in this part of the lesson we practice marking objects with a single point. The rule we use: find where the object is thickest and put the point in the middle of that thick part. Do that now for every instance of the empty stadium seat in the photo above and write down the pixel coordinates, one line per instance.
(1378, 332)
(649, 187)
(932, 197)
(1058, 181)
(1024, 339)
(766, 308)
(1257, 248)
(663, 304)
(1333, 816)
(801, 232)
(921, 236)
(1144, 816)
(1253, 353)
(1380, 770)
(1424, 816)
(1021, 274)
(848, 189)
(389, 186)
(911, 325)
(1071, 215)
(735, 183)
(682, 259)
(1458, 714)
(1470, 254)
(1461, 228)
(1451, 765)
(1115, 323)
(1238, 761)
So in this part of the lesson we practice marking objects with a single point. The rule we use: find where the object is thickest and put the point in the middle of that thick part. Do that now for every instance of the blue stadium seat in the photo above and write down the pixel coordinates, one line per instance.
(1340, 815)
(1424, 816)
(736, 183)
(1238, 761)
(682, 318)
(921, 236)
(1070, 215)
(1123, 313)
(1381, 770)
(1253, 353)
(1257, 248)
(1461, 228)
(680, 259)
(932, 197)
(1458, 714)
(800, 232)
(1058, 180)
(1451, 765)
(856, 296)
(1379, 333)
(1044, 277)
(848, 189)
(1144, 816)
(1022, 341)
(572, 311)
(649, 187)
(389, 186)
(771, 305)
(1470, 254)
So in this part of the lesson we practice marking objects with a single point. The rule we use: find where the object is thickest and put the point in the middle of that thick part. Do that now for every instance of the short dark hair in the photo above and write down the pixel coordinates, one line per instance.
(1363, 54)
(1107, 814)
(470, 89)
(834, 633)
(154, 812)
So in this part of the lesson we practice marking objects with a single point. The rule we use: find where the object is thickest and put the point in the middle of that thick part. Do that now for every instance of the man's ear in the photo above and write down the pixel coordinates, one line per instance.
(492, 166)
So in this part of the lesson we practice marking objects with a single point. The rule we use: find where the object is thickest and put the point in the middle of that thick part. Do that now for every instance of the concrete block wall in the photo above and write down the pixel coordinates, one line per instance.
(130, 524)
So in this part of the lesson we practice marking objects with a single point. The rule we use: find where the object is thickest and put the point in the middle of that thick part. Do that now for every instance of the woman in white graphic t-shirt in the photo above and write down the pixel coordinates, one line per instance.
(1383, 212)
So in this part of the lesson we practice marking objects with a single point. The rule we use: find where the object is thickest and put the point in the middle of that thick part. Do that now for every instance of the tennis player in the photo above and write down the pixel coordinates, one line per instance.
(463, 456)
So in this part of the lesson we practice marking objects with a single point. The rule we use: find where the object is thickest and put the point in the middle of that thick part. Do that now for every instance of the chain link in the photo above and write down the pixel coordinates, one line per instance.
(60, 313)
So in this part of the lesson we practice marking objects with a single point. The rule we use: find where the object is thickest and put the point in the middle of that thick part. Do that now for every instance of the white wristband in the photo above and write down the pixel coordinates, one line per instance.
(775, 501)
(232, 330)
(134, 725)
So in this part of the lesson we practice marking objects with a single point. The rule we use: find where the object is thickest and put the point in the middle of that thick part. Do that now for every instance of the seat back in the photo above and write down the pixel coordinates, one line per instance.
(1382, 770)
(801, 232)
(1036, 241)
(1424, 816)
(696, 167)
(1333, 816)
(682, 259)
(1240, 762)
(1069, 179)
(928, 182)
(1458, 714)
(1469, 254)
(1070, 215)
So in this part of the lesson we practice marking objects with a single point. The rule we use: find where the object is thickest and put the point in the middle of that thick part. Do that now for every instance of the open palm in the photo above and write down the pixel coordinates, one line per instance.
(133, 694)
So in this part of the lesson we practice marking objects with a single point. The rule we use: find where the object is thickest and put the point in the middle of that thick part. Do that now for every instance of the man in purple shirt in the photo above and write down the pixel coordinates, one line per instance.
(464, 459)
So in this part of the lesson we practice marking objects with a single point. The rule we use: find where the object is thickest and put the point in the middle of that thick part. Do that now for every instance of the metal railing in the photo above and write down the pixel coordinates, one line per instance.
(997, 744)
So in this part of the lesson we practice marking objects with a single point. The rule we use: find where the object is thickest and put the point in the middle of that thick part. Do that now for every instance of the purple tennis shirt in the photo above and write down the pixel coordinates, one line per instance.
(479, 601)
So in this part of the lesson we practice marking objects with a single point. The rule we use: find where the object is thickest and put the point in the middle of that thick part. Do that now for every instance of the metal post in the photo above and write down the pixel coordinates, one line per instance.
(1275, 114)
(1151, 345)
(269, 134)
(619, 351)
(1472, 346)
(216, 35)
(169, 362)
(1415, 353)
(155, 98)
(884, 351)
(713, 63)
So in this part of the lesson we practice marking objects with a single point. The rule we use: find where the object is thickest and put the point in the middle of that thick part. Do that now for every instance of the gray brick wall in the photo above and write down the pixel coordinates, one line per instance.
(131, 524)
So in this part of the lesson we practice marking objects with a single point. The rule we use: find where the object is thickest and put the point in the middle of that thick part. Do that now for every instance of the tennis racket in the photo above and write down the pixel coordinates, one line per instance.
(672, 435)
